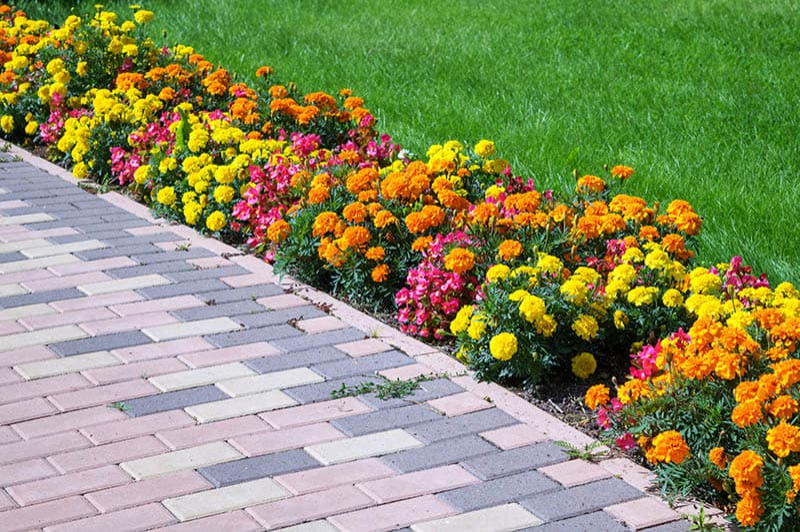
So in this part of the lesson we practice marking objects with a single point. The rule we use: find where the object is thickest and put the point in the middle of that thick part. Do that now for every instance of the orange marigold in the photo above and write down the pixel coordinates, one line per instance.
(384, 218)
(747, 413)
(622, 172)
(632, 390)
(325, 223)
(356, 236)
(745, 471)
(376, 253)
(749, 509)
(380, 273)
(355, 212)
(787, 371)
(783, 407)
(362, 180)
(459, 260)
(278, 231)
(783, 439)
(483, 212)
(590, 184)
(648, 232)
(597, 395)
(717, 457)
(421, 243)
(670, 447)
(509, 249)
(318, 194)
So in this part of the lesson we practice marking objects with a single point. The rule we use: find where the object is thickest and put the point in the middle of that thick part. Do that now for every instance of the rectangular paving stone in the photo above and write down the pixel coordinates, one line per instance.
(376, 444)
(69, 281)
(212, 326)
(20, 245)
(112, 453)
(581, 499)
(162, 349)
(19, 451)
(394, 515)
(228, 294)
(281, 301)
(575, 472)
(268, 381)
(135, 370)
(264, 318)
(42, 337)
(117, 324)
(225, 499)
(643, 513)
(311, 341)
(316, 412)
(169, 304)
(68, 318)
(68, 421)
(35, 264)
(107, 342)
(136, 519)
(66, 485)
(468, 423)
(207, 273)
(384, 420)
(499, 491)
(440, 453)
(120, 285)
(7, 290)
(179, 399)
(324, 391)
(240, 406)
(48, 513)
(24, 410)
(17, 391)
(13, 256)
(62, 249)
(212, 357)
(25, 219)
(169, 256)
(360, 348)
(192, 458)
(257, 467)
(135, 269)
(20, 472)
(40, 297)
(248, 336)
(595, 521)
(90, 302)
(199, 377)
(505, 518)
(317, 505)
(366, 365)
(60, 366)
(187, 436)
(516, 460)
(323, 478)
(321, 324)
(237, 520)
(423, 482)
(285, 439)
(126, 429)
(244, 278)
(26, 311)
(120, 251)
(293, 359)
(149, 490)
(514, 436)
(103, 395)
(218, 310)
(459, 404)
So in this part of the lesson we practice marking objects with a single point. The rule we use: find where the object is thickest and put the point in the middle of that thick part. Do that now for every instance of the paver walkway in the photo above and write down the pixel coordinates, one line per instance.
(152, 378)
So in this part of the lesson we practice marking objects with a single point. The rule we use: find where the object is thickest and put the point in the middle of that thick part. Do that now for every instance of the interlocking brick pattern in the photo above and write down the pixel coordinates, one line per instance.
(144, 385)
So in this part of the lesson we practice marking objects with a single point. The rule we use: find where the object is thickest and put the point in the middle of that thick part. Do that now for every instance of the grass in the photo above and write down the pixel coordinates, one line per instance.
(699, 96)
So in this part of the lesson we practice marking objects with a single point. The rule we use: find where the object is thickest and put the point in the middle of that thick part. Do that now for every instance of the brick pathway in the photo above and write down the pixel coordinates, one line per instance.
(153, 378)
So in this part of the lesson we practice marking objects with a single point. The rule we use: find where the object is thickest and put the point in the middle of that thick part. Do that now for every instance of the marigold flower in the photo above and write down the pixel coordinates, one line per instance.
(376, 253)
(597, 395)
(459, 260)
(498, 271)
(589, 184)
(384, 218)
(356, 236)
(278, 231)
(669, 447)
(355, 212)
(622, 172)
(532, 308)
(717, 457)
(585, 327)
(421, 243)
(575, 291)
(632, 390)
(325, 223)
(583, 365)
(503, 346)
(462, 319)
(216, 221)
(749, 509)
(380, 273)
(549, 264)
(509, 249)
(477, 326)
(166, 196)
(747, 413)
(484, 148)
(745, 470)
(783, 407)
(783, 439)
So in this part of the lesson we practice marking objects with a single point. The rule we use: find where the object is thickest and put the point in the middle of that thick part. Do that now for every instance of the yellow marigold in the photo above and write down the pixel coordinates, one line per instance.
(622, 172)
(783, 439)
(484, 148)
(620, 319)
(224, 194)
(597, 395)
(498, 271)
(546, 325)
(477, 326)
(191, 212)
(459, 260)
(461, 321)
(783, 407)
(747, 413)
(574, 291)
(355, 212)
(141, 173)
(166, 196)
(503, 346)
(216, 221)
(749, 509)
(672, 298)
(7, 123)
(143, 16)
(669, 447)
(532, 308)
(585, 327)
(590, 184)
(376, 253)
(509, 249)
(632, 390)
(31, 127)
(584, 365)
(643, 295)
(380, 273)
(717, 457)
(325, 223)
(549, 264)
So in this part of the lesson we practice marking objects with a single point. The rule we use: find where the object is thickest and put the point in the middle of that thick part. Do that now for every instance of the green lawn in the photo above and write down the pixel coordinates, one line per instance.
(699, 96)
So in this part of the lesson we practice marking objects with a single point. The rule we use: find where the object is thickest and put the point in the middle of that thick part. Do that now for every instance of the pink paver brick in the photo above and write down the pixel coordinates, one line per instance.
(93, 266)
(67, 318)
(68, 421)
(24, 410)
(26, 354)
(513, 436)
(70, 281)
(7, 435)
(162, 349)
(115, 325)
(42, 387)
(238, 521)
(100, 300)
(393, 515)
(128, 428)
(104, 395)
(23, 450)
(33, 517)
(149, 490)
(173, 245)
(146, 369)
(158, 305)
(8, 376)
(44, 233)
(65, 485)
(240, 281)
(215, 357)
(29, 275)
(130, 520)
(112, 453)
(216, 431)
(361, 348)
(320, 325)
(6, 502)
(283, 440)
(26, 471)
(418, 483)
(13, 229)
(575, 472)
(643, 513)
(308, 507)
(210, 262)
(459, 403)
(11, 327)
(322, 478)
(282, 301)
(632, 473)
(315, 412)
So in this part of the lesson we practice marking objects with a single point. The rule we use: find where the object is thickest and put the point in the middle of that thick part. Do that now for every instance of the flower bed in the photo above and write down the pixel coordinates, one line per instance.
(529, 284)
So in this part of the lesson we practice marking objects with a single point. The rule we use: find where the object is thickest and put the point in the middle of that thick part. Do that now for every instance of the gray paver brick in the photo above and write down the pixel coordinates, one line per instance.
(385, 420)
(427, 390)
(581, 499)
(67, 239)
(275, 317)
(249, 336)
(167, 256)
(163, 267)
(309, 341)
(362, 365)
(228, 294)
(593, 522)
(107, 234)
(105, 342)
(258, 467)
(441, 453)
(40, 297)
(12, 257)
(107, 226)
(499, 491)
(123, 251)
(516, 460)
(312, 393)
(295, 359)
(492, 418)
(216, 311)
(199, 288)
(207, 273)
(123, 239)
(174, 400)
(675, 526)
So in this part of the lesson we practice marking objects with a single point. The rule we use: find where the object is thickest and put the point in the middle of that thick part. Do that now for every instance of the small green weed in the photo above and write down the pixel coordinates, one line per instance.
(586, 453)
(119, 405)
(387, 389)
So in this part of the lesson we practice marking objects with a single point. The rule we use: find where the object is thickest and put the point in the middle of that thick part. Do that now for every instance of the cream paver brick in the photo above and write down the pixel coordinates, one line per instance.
(20, 245)
(575, 472)
(191, 328)
(120, 285)
(192, 458)
(643, 513)
(25, 311)
(35, 264)
(460, 403)
(25, 219)
(320, 325)
(376, 444)
(7, 290)
(240, 406)
(165, 304)
(360, 348)
(514, 436)
(505, 518)
(72, 364)
(199, 377)
(277, 380)
(47, 251)
(42, 337)
(282, 301)
(225, 499)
